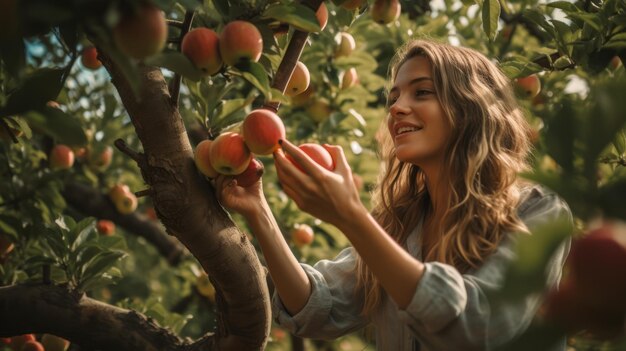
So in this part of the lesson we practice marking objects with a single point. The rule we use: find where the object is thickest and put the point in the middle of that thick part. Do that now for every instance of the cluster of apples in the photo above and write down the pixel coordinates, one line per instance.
(124, 200)
(592, 296)
(231, 153)
(28, 342)
(238, 41)
(62, 157)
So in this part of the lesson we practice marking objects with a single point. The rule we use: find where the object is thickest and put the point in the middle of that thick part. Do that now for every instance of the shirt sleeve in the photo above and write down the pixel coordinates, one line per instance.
(452, 311)
(333, 309)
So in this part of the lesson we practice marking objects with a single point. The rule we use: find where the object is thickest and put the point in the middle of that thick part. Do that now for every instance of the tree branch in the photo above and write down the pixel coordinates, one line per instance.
(184, 29)
(91, 202)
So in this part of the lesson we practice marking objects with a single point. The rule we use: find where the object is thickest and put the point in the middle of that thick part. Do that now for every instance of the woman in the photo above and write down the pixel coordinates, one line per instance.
(446, 211)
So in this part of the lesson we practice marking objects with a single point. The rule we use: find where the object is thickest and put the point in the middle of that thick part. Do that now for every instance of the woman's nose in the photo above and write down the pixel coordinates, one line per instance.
(398, 109)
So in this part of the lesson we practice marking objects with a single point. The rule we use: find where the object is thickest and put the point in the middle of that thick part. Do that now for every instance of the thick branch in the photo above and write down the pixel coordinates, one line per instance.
(84, 321)
(189, 209)
(91, 202)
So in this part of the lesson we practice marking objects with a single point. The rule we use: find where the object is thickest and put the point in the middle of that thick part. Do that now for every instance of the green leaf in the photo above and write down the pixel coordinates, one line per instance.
(39, 88)
(58, 124)
(300, 16)
(491, 14)
(563, 5)
(176, 62)
(518, 66)
(254, 73)
(82, 231)
(100, 263)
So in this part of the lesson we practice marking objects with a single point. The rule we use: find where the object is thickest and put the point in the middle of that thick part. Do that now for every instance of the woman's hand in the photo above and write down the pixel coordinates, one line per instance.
(247, 201)
(329, 196)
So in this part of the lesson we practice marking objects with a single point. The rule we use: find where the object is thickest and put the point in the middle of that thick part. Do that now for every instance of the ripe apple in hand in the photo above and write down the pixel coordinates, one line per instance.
(302, 234)
(299, 81)
(201, 46)
(105, 227)
(261, 130)
(202, 158)
(251, 175)
(316, 152)
(89, 58)
(385, 11)
(61, 157)
(54, 343)
(530, 85)
(142, 33)
(240, 40)
(229, 154)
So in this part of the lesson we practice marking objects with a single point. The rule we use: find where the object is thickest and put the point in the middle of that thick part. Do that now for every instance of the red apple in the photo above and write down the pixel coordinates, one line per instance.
(54, 343)
(345, 44)
(240, 40)
(61, 157)
(18, 341)
(316, 152)
(352, 4)
(251, 175)
(201, 46)
(89, 58)
(322, 17)
(5, 341)
(105, 227)
(202, 158)
(32, 346)
(142, 33)
(229, 154)
(299, 80)
(102, 160)
(302, 234)
(385, 11)
(530, 85)
(350, 78)
(615, 62)
(262, 129)
(6, 245)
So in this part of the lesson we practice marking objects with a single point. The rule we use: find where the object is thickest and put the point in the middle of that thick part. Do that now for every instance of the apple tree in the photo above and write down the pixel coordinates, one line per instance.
(111, 236)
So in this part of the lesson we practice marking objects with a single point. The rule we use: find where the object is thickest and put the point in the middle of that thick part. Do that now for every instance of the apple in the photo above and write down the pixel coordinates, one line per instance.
(102, 160)
(299, 80)
(352, 4)
(61, 157)
(142, 33)
(592, 294)
(202, 158)
(105, 227)
(205, 288)
(302, 234)
(201, 46)
(6, 245)
(322, 17)
(319, 110)
(316, 152)
(18, 341)
(251, 175)
(89, 58)
(123, 199)
(615, 62)
(54, 343)
(385, 11)
(240, 41)
(229, 154)
(345, 44)
(32, 346)
(530, 85)
(350, 78)
(261, 130)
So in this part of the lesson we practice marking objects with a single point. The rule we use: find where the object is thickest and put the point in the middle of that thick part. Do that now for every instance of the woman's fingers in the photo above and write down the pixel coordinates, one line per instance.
(341, 163)
(287, 171)
(306, 163)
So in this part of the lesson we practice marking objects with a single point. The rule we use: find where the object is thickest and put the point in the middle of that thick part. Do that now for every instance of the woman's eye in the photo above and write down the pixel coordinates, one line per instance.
(391, 101)
(421, 92)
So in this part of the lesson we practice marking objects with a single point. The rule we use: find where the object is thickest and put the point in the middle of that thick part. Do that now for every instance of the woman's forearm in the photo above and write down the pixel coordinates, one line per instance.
(397, 271)
(290, 280)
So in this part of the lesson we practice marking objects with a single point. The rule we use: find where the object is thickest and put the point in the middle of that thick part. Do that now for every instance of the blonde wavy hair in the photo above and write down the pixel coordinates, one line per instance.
(489, 146)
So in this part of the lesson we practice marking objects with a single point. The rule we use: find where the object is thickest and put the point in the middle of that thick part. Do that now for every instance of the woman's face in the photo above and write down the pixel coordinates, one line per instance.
(417, 123)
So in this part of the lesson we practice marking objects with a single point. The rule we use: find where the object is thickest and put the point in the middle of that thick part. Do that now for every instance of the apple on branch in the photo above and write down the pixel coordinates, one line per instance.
(530, 85)
(302, 235)
(261, 130)
(61, 157)
(201, 46)
(229, 154)
(105, 227)
(385, 11)
(141, 33)
(345, 44)
(89, 58)
(350, 78)
(240, 41)
(299, 80)
(202, 158)
(124, 200)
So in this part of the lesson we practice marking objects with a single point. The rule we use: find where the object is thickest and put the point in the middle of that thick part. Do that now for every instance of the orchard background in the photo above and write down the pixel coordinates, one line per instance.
(108, 230)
